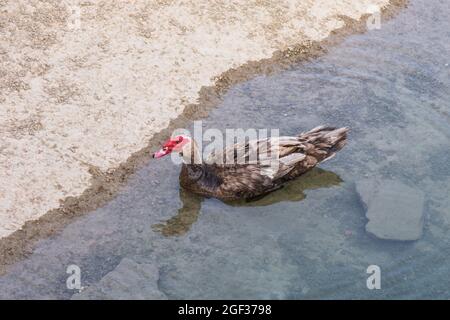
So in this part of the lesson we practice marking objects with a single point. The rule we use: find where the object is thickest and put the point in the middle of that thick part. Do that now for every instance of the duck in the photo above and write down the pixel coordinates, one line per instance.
(254, 168)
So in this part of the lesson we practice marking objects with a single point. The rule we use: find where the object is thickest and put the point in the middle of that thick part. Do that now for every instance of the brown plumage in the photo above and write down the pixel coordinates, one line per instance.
(248, 175)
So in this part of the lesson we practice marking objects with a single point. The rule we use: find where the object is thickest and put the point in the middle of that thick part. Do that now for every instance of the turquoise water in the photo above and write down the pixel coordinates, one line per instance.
(390, 86)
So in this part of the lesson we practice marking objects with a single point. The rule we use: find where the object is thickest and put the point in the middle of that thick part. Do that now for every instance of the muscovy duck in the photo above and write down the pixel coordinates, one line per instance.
(278, 160)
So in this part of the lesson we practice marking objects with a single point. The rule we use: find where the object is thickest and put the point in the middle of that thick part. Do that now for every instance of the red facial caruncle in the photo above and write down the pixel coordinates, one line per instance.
(173, 144)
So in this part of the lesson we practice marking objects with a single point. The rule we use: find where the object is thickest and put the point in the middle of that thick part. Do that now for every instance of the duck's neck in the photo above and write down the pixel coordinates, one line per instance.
(191, 154)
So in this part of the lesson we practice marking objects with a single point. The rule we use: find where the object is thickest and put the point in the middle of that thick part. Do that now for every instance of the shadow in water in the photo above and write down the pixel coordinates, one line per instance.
(292, 191)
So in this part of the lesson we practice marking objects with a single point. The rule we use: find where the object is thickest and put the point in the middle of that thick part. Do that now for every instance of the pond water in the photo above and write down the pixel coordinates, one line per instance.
(390, 86)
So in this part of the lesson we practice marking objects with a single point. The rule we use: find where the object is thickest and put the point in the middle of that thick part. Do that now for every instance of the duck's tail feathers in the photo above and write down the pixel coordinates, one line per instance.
(323, 142)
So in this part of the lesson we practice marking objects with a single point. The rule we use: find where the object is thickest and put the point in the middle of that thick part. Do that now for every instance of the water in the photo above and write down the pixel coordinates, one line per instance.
(391, 86)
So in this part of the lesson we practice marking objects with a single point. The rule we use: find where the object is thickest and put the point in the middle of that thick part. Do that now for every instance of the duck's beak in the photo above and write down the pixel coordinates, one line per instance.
(161, 153)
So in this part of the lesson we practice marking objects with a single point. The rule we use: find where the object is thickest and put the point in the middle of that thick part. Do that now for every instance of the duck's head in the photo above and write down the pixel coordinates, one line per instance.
(174, 144)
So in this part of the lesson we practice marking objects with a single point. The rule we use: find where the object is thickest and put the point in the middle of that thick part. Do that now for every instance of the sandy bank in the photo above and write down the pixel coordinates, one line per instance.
(78, 97)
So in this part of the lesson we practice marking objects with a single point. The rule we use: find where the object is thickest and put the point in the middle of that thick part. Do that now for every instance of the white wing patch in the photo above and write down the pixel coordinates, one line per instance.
(292, 159)
(285, 165)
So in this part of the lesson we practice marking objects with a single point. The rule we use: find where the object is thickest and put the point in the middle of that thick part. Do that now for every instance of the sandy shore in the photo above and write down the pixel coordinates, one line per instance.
(85, 85)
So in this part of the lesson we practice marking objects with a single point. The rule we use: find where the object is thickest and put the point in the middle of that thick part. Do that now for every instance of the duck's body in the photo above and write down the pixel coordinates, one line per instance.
(243, 179)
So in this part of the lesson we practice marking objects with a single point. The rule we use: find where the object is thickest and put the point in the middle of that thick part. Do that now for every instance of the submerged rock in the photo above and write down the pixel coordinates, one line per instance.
(125, 282)
(394, 210)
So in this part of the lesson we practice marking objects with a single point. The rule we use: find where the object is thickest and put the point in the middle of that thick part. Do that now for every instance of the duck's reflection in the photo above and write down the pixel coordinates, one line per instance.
(293, 191)
(186, 216)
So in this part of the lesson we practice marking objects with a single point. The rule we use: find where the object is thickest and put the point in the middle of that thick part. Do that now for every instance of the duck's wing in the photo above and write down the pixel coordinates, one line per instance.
(255, 151)
(251, 180)
(242, 181)
(252, 168)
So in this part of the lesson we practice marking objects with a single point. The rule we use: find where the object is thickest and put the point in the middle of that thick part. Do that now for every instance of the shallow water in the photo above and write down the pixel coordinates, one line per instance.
(390, 86)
